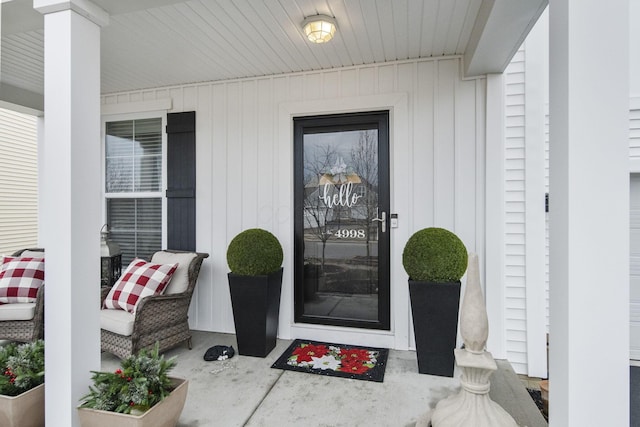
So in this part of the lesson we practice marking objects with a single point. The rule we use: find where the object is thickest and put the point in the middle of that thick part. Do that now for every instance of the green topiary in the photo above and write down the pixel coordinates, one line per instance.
(434, 255)
(254, 252)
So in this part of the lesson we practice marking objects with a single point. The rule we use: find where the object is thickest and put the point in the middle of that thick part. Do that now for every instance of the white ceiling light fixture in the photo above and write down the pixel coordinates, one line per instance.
(319, 28)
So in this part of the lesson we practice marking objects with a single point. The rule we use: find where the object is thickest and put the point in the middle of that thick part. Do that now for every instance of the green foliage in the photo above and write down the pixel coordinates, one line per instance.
(22, 367)
(434, 255)
(254, 252)
(141, 382)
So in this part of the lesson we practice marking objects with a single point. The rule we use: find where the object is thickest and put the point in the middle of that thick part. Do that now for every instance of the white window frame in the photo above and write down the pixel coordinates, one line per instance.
(133, 195)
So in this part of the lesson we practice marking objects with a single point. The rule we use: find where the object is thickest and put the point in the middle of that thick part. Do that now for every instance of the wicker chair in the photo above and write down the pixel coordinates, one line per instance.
(162, 318)
(26, 330)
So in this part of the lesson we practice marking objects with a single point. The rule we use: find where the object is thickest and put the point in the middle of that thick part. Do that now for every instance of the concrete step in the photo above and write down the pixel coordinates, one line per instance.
(508, 391)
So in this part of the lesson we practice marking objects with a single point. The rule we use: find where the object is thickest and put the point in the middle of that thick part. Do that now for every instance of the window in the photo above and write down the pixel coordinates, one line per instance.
(133, 185)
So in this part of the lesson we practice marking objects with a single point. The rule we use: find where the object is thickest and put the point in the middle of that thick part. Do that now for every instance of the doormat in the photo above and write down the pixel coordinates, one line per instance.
(336, 360)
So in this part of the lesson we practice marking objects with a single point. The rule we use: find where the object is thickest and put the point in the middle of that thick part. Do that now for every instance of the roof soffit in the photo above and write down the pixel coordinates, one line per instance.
(499, 30)
(154, 43)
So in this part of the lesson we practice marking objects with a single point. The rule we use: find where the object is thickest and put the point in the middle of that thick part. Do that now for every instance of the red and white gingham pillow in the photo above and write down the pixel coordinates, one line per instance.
(139, 280)
(20, 279)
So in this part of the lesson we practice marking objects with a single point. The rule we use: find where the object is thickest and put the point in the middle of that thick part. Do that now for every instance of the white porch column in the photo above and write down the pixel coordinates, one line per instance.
(41, 181)
(536, 90)
(589, 213)
(72, 215)
(494, 264)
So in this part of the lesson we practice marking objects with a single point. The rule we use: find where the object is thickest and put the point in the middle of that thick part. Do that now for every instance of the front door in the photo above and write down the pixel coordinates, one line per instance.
(341, 220)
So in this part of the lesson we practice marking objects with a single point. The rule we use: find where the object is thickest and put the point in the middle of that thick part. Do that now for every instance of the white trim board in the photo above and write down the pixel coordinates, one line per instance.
(164, 104)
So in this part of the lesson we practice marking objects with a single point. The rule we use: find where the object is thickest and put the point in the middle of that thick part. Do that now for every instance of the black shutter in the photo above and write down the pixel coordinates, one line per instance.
(181, 181)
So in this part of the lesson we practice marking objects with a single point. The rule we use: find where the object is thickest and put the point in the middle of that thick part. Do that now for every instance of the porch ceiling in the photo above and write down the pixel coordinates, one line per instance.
(152, 43)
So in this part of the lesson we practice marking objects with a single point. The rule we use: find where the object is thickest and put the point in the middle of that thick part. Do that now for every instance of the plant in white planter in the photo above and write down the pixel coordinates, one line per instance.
(22, 384)
(139, 393)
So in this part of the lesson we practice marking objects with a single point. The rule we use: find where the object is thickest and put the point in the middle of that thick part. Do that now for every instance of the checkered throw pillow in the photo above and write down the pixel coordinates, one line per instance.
(139, 280)
(20, 279)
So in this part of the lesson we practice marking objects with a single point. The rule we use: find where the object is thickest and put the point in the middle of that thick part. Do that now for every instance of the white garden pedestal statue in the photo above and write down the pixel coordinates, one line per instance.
(472, 406)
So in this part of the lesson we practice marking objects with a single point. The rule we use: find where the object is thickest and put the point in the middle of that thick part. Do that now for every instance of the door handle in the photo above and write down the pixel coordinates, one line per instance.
(383, 220)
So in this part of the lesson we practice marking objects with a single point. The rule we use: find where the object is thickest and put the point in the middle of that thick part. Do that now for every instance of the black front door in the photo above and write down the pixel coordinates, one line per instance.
(341, 220)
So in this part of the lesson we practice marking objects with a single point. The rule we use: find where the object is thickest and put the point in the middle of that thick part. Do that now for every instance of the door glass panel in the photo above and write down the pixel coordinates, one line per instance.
(340, 239)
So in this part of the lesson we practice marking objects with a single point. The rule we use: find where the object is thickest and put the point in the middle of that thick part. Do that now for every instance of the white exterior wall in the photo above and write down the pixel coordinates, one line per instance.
(514, 227)
(525, 183)
(18, 181)
(245, 167)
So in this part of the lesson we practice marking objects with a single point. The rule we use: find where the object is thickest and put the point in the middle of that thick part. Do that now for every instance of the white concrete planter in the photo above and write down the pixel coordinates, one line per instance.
(23, 410)
(163, 414)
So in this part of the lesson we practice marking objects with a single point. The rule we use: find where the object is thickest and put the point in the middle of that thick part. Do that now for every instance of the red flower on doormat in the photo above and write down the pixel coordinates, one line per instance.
(306, 352)
(356, 360)
(352, 355)
(354, 367)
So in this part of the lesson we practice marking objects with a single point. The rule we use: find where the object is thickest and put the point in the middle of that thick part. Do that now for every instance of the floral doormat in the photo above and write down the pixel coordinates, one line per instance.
(336, 360)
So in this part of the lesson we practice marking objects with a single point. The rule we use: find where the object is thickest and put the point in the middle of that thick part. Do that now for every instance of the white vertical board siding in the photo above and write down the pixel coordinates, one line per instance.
(444, 152)
(245, 166)
(18, 181)
(204, 164)
(515, 238)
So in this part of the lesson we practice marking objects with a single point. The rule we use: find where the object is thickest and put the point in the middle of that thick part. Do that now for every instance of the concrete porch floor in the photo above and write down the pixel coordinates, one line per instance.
(246, 391)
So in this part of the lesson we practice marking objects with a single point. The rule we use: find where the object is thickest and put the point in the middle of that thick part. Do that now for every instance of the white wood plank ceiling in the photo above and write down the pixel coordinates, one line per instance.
(176, 42)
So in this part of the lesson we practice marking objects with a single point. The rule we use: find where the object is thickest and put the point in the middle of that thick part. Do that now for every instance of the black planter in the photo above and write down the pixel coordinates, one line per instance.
(435, 323)
(256, 307)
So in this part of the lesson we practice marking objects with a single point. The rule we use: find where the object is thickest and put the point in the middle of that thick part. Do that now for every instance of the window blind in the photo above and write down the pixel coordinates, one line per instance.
(136, 225)
(133, 164)
(133, 155)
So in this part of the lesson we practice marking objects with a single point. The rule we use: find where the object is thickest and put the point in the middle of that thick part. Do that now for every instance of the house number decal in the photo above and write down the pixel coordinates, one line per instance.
(349, 234)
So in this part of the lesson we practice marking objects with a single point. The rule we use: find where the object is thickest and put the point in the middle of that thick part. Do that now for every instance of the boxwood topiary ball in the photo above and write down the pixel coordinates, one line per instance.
(434, 255)
(254, 252)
